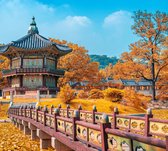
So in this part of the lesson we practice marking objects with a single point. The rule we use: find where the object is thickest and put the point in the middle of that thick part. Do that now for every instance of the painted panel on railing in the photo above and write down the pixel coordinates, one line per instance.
(95, 137)
(116, 143)
(34, 114)
(138, 146)
(159, 128)
(123, 122)
(62, 112)
(89, 117)
(82, 116)
(69, 127)
(50, 121)
(60, 125)
(71, 113)
(137, 125)
(28, 113)
(81, 132)
(98, 118)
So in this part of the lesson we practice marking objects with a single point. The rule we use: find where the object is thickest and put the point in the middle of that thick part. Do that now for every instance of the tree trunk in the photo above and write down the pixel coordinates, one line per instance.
(153, 81)
(153, 91)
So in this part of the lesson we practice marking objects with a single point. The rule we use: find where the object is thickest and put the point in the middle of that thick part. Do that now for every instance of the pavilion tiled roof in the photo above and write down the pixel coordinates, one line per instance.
(33, 40)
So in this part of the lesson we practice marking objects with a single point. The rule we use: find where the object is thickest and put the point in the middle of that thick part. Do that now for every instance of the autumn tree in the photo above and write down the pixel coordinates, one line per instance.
(66, 94)
(4, 64)
(107, 72)
(147, 57)
(162, 83)
(77, 65)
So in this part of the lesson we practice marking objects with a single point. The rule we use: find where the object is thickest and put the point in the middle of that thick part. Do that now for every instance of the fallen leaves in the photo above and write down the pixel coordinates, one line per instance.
(11, 139)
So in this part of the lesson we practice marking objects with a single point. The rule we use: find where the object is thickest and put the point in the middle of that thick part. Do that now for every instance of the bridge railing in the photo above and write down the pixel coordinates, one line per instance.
(98, 130)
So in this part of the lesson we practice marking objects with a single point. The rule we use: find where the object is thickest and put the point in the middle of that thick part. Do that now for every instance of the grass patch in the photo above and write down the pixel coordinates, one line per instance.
(101, 104)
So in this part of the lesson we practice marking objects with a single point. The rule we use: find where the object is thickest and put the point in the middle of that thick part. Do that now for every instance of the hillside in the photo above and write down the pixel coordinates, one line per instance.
(103, 60)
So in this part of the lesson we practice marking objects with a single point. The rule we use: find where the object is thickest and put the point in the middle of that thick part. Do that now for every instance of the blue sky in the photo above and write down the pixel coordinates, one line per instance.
(101, 26)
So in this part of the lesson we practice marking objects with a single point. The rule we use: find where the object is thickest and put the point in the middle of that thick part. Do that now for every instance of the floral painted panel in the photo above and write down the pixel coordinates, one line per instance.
(138, 146)
(32, 63)
(32, 81)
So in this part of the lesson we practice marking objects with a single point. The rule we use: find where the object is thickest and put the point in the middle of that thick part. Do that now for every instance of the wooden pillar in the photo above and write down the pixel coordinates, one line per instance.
(21, 80)
(44, 61)
(55, 62)
(44, 81)
(21, 61)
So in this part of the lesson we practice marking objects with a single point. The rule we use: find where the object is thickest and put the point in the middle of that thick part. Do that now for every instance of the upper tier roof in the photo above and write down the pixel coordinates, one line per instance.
(33, 40)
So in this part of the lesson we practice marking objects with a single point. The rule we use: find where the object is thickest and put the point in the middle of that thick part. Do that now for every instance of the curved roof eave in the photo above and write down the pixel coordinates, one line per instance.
(65, 49)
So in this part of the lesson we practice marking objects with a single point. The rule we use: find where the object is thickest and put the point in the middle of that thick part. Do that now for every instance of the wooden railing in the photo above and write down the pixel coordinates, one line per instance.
(105, 132)
(32, 70)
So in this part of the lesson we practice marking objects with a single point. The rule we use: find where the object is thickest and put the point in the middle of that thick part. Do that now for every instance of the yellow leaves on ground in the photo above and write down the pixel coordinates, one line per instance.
(3, 111)
(11, 139)
(101, 104)
(160, 114)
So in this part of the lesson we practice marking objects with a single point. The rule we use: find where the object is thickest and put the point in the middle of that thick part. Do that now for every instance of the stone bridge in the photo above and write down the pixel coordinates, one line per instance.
(80, 130)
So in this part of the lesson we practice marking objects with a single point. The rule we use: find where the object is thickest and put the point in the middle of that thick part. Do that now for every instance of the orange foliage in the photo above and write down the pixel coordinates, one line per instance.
(82, 94)
(134, 99)
(147, 57)
(96, 94)
(4, 64)
(77, 64)
(107, 72)
(66, 94)
(113, 94)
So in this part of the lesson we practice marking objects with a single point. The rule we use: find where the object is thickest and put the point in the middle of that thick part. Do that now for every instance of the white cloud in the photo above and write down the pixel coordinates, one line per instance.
(77, 21)
(117, 18)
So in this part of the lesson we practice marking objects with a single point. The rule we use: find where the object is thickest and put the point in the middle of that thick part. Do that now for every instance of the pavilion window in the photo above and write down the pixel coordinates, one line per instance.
(50, 64)
(33, 63)
(15, 63)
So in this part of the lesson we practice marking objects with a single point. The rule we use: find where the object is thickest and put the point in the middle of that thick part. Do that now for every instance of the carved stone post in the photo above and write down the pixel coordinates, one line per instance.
(103, 125)
(114, 123)
(51, 109)
(74, 119)
(45, 111)
(68, 107)
(147, 116)
(79, 109)
(93, 113)
(56, 113)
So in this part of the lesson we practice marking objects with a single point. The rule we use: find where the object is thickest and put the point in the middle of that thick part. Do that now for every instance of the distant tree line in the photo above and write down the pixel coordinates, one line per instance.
(104, 60)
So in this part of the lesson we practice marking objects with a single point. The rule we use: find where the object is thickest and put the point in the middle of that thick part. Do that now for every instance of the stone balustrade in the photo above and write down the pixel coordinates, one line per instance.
(69, 129)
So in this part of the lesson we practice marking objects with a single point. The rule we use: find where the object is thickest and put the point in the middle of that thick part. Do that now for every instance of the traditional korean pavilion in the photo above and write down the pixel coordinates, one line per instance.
(33, 65)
